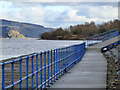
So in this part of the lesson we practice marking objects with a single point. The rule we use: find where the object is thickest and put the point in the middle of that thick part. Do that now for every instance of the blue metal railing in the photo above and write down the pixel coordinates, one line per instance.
(110, 46)
(39, 70)
(101, 37)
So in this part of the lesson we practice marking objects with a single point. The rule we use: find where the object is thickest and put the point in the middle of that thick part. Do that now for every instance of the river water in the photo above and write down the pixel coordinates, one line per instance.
(16, 47)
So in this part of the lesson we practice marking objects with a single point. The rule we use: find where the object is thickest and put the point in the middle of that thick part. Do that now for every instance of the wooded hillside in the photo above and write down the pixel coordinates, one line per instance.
(78, 32)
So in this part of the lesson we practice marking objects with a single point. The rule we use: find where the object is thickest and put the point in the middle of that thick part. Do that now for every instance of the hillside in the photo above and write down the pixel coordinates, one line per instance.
(22, 29)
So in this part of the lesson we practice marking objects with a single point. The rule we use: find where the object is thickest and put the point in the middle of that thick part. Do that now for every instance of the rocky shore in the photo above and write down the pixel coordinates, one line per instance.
(113, 68)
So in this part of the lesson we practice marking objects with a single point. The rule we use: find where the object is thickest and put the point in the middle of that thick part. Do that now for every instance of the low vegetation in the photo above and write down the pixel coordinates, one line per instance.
(78, 32)
(15, 34)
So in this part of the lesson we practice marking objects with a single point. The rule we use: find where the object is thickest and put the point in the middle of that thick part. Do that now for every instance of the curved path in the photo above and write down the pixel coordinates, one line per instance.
(90, 72)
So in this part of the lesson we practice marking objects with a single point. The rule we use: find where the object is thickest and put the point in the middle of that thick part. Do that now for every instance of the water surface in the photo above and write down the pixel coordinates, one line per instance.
(17, 47)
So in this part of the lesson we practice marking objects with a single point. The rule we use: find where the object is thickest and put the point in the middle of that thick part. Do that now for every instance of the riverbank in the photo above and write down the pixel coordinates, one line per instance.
(113, 68)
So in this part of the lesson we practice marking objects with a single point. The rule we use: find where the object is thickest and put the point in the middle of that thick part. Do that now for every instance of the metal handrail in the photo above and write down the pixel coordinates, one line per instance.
(40, 69)
(101, 37)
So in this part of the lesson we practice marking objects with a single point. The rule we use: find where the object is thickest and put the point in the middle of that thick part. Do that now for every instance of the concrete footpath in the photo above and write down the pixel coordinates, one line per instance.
(90, 72)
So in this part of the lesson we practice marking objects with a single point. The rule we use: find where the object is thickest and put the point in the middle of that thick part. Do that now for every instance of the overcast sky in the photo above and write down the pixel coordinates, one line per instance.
(58, 14)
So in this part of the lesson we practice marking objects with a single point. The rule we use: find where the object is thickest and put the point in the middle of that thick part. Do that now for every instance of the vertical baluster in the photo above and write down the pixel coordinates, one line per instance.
(12, 74)
(67, 61)
(59, 64)
(79, 56)
(3, 77)
(82, 48)
(61, 61)
(27, 63)
(48, 68)
(51, 66)
(69, 58)
(65, 57)
(45, 69)
(75, 53)
(32, 70)
(54, 65)
(37, 70)
(41, 70)
(72, 55)
(20, 73)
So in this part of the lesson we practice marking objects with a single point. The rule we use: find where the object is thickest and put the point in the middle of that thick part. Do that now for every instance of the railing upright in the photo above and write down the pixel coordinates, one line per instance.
(37, 70)
(3, 77)
(100, 37)
(51, 68)
(45, 69)
(12, 74)
(54, 65)
(32, 70)
(20, 73)
(48, 68)
(41, 69)
(27, 70)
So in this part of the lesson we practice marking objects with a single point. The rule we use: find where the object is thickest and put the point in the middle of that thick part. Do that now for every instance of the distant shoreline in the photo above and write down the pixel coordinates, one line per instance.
(19, 38)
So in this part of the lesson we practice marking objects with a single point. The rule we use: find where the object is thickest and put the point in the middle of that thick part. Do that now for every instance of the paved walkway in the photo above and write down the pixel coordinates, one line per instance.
(90, 72)
(105, 43)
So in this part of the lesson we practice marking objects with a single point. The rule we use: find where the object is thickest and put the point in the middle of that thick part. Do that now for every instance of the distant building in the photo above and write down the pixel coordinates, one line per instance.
(86, 23)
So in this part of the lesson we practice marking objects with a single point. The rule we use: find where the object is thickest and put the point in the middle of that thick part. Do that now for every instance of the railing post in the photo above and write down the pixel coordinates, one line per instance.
(41, 71)
(27, 69)
(37, 70)
(61, 61)
(54, 66)
(56, 63)
(12, 74)
(48, 68)
(51, 66)
(45, 69)
(3, 77)
(65, 63)
(59, 64)
(32, 70)
(20, 73)
(73, 54)
(117, 32)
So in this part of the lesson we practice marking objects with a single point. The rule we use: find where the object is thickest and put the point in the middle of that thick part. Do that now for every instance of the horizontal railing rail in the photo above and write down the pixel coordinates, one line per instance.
(110, 46)
(101, 37)
(39, 70)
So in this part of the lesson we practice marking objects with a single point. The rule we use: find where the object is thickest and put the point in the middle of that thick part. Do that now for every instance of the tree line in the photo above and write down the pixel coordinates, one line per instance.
(80, 31)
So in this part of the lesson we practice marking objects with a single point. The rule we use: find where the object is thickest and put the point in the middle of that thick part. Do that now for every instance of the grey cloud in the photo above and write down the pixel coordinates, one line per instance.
(26, 4)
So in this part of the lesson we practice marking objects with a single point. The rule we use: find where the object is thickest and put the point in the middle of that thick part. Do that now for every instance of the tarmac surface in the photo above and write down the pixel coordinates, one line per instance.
(89, 73)
(105, 43)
